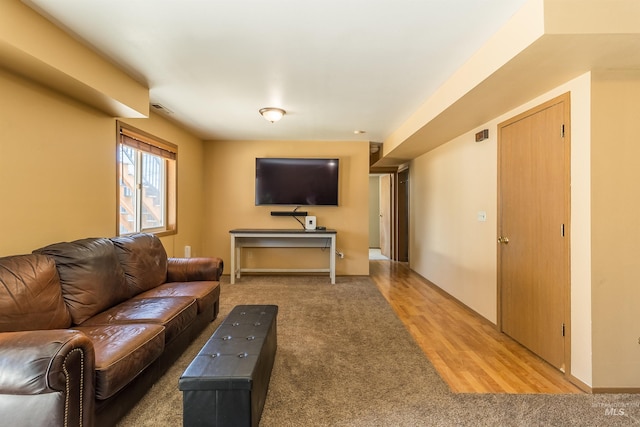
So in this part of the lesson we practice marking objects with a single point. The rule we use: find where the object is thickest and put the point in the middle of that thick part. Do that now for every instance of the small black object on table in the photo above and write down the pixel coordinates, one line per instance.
(227, 382)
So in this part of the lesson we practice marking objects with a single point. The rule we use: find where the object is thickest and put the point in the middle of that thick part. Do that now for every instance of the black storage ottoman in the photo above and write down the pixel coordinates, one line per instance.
(227, 382)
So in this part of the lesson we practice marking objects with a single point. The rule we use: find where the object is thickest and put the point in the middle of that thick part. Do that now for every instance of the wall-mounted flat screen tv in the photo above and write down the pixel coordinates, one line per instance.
(297, 182)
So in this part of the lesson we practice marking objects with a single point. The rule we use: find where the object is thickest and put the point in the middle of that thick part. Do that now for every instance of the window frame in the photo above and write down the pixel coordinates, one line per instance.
(143, 142)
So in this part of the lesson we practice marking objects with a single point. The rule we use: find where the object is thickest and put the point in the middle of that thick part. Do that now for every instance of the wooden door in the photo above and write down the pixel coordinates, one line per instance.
(533, 227)
(385, 215)
(403, 216)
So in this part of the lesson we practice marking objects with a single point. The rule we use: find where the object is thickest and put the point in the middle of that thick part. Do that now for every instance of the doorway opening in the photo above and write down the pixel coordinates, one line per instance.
(389, 216)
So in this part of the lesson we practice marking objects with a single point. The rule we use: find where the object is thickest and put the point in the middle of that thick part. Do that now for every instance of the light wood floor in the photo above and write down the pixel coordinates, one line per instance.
(468, 351)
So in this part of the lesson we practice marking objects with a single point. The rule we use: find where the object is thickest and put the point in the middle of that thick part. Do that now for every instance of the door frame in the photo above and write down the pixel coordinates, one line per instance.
(399, 220)
(394, 219)
(387, 222)
(566, 99)
(402, 213)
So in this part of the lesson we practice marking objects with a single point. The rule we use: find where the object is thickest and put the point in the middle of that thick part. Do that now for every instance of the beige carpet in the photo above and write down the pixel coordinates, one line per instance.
(344, 359)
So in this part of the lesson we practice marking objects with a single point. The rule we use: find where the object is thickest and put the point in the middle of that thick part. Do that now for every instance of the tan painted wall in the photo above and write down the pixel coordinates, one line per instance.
(616, 234)
(450, 247)
(229, 203)
(57, 168)
(58, 174)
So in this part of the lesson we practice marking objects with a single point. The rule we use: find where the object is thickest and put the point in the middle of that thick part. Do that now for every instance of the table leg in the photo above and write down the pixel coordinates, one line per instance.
(332, 260)
(232, 275)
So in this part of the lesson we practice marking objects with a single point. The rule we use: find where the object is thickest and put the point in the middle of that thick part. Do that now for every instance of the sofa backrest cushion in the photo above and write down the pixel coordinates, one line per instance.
(30, 294)
(143, 259)
(91, 276)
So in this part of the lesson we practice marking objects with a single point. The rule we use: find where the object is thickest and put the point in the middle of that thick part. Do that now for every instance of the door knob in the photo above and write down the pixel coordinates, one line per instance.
(504, 240)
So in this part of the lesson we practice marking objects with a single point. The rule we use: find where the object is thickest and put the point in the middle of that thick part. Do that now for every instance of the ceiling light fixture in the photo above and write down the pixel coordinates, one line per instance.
(272, 114)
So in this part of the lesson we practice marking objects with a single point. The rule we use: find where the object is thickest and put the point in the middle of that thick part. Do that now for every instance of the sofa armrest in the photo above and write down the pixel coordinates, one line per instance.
(194, 269)
(47, 374)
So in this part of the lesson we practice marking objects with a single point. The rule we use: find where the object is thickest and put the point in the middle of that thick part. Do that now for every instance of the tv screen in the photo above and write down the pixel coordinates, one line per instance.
(296, 182)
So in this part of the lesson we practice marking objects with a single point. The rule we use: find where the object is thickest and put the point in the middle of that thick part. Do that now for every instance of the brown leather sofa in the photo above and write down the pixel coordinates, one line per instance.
(86, 327)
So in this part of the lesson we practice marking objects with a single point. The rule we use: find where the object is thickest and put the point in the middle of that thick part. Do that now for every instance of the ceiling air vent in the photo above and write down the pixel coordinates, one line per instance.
(161, 108)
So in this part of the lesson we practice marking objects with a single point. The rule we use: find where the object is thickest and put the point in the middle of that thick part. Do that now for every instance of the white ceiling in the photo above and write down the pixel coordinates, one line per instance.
(335, 66)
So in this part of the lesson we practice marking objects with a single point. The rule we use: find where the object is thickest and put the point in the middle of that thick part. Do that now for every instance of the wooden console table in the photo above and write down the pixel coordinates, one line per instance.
(281, 238)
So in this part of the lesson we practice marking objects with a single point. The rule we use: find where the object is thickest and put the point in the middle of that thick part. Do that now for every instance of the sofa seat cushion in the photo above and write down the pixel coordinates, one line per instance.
(30, 294)
(121, 353)
(175, 314)
(206, 293)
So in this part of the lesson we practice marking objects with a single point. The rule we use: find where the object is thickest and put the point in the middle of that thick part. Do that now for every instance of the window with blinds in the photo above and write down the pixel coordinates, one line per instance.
(146, 183)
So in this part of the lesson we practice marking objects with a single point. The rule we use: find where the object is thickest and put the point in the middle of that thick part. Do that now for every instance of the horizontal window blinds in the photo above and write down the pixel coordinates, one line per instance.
(143, 143)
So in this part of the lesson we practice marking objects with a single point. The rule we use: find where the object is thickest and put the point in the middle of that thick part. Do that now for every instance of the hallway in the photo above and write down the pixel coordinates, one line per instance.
(469, 353)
